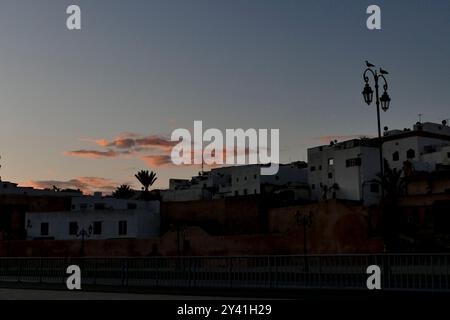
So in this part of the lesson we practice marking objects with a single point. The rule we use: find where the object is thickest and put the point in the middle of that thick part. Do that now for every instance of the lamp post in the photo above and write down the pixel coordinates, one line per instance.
(384, 101)
(306, 222)
(83, 234)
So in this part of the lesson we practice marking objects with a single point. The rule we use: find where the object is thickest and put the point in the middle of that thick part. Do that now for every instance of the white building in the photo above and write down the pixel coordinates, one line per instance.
(97, 217)
(426, 146)
(237, 181)
(346, 170)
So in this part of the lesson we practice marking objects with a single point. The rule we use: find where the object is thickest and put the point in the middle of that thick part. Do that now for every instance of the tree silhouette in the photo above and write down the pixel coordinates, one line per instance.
(147, 179)
(123, 192)
(394, 186)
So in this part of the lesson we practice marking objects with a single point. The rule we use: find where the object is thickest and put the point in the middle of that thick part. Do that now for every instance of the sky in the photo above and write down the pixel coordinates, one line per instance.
(89, 108)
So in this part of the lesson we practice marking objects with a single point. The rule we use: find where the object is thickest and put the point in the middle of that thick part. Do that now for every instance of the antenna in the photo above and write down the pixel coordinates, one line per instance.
(420, 117)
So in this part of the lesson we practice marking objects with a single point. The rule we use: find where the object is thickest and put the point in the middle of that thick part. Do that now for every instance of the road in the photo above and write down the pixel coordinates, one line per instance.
(32, 294)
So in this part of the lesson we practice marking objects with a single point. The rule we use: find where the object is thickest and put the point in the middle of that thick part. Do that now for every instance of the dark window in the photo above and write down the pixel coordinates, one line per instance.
(123, 226)
(255, 176)
(375, 188)
(410, 154)
(98, 227)
(131, 206)
(245, 192)
(313, 169)
(448, 155)
(330, 175)
(74, 207)
(245, 178)
(44, 229)
(256, 191)
(320, 168)
(99, 206)
(73, 228)
(83, 206)
(237, 179)
(355, 162)
(395, 156)
(313, 186)
(236, 193)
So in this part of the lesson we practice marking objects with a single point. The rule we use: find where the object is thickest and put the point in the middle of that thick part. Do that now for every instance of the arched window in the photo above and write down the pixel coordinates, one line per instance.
(395, 156)
(410, 154)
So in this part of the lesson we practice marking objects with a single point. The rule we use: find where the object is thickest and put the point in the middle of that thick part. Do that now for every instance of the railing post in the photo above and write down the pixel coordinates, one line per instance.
(19, 269)
(41, 269)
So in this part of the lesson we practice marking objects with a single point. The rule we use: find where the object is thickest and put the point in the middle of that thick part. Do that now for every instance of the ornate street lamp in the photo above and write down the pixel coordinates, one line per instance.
(83, 234)
(305, 221)
(384, 101)
(368, 94)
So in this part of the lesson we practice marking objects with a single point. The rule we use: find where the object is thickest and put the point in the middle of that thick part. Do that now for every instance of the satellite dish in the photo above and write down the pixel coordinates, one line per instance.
(386, 128)
(444, 122)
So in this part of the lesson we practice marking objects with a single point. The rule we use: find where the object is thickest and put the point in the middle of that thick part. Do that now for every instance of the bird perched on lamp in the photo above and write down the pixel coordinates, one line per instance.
(369, 65)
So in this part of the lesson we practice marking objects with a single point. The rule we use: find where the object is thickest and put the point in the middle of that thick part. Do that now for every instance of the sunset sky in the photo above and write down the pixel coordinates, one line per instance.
(89, 108)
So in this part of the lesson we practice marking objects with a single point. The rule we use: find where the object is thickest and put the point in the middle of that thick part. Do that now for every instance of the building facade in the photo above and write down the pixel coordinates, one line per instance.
(345, 170)
(236, 181)
(426, 146)
(97, 218)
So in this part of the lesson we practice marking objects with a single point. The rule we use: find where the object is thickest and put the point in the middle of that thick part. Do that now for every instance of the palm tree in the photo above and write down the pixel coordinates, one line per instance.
(394, 186)
(147, 179)
(123, 192)
(392, 182)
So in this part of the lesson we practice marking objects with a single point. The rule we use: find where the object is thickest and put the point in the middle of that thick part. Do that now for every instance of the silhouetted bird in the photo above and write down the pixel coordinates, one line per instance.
(383, 71)
(368, 64)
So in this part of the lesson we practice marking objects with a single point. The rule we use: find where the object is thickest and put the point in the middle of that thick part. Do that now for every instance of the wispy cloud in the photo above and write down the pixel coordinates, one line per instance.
(87, 185)
(92, 154)
(153, 150)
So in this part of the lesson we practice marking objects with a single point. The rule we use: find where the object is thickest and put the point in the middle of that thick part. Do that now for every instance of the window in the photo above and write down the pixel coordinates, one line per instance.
(236, 193)
(312, 169)
(99, 206)
(123, 226)
(330, 175)
(74, 207)
(320, 168)
(44, 229)
(331, 162)
(73, 228)
(131, 206)
(245, 178)
(355, 162)
(313, 186)
(375, 188)
(448, 155)
(410, 154)
(256, 191)
(237, 179)
(83, 206)
(277, 177)
(98, 227)
(395, 156)
(245, 192)
(254, 176)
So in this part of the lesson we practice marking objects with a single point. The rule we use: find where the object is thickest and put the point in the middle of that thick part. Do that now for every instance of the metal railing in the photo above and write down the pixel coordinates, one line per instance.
(416, 272)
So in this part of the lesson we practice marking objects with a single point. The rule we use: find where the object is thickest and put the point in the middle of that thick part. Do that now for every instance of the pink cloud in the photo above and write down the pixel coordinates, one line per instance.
(92, 154)
(87, 185)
